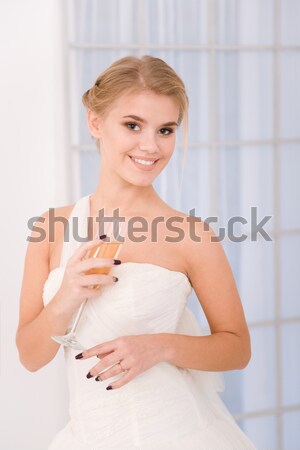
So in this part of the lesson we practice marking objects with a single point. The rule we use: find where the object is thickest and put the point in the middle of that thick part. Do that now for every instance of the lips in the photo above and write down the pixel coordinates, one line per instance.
(140, 165)
(143, 158)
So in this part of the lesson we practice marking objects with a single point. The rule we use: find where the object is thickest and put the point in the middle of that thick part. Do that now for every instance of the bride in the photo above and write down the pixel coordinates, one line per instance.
(156, 374)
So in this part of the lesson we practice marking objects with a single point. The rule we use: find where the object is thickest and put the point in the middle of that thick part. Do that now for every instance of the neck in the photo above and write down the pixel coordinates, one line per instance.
(112, 192)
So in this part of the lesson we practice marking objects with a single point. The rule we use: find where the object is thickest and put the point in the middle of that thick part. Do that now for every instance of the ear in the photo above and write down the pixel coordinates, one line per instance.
(94, 124)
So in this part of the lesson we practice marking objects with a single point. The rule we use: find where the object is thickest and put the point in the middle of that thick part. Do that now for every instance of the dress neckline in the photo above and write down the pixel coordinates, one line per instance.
(157, 266)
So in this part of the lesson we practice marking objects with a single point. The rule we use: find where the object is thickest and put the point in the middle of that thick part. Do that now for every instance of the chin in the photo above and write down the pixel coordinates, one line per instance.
(142, 183)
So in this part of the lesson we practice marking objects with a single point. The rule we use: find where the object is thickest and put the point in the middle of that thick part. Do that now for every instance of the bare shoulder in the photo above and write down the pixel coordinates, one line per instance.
(196, 243)
(46, 232)
(48, 229)
(61, 211)
(185, 233)
(200, 246)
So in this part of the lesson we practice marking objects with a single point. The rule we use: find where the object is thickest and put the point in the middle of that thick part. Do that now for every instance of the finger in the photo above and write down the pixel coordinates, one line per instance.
(106, 364)
(94, 279)
(106, 347)
(91, 263)
(128, 376)
(111, 372)
(82, 250)
(102, 355)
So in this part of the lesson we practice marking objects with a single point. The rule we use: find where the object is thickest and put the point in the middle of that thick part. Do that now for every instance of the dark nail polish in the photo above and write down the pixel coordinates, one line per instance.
(103, 236)
(98, 378)
(109, 388)
(116, 279)
(89, 375)
(117, 262)
(79, 356)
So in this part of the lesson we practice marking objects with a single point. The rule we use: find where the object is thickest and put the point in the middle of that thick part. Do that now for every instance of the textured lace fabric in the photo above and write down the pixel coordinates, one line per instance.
(165, 407)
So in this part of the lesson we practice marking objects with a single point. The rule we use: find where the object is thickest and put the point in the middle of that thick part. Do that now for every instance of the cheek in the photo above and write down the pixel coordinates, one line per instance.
(169, 148)
(124, 141)
(115, 145)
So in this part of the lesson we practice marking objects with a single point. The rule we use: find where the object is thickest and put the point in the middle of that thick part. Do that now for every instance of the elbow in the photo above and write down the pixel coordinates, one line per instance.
(246, 357)
(28, 365)
(242, 351)
(30, 368)
(26, 361)
(245, 361)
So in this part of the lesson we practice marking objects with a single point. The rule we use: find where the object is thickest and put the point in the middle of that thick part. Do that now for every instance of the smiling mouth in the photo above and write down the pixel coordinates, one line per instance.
(143, 162)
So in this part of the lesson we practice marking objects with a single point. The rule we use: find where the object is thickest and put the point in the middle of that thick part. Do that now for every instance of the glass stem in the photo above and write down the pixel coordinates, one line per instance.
(73, 329)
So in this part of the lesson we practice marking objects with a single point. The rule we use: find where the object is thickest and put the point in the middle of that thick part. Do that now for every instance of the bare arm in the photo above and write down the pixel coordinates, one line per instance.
(220, 351)
(38, 323)
(228, 347)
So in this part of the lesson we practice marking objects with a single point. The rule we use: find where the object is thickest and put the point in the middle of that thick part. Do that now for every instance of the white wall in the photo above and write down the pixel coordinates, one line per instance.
(34, 167)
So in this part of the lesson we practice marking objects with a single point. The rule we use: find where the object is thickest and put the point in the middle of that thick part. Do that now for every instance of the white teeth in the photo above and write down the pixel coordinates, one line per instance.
(146, 163)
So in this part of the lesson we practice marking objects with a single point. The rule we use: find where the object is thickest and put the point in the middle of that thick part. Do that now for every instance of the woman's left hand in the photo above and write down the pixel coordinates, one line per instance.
(129, 354)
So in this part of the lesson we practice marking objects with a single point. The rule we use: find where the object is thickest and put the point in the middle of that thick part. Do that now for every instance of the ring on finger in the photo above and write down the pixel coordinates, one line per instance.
(123, 370)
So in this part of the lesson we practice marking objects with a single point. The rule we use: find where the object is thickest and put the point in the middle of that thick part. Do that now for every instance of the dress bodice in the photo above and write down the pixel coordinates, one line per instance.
(147, 299)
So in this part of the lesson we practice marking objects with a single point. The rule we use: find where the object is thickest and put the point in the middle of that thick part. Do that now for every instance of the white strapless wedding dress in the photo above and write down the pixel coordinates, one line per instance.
(164, 408)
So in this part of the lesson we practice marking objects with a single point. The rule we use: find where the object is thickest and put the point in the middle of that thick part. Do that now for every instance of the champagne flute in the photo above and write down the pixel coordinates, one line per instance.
(106, 249)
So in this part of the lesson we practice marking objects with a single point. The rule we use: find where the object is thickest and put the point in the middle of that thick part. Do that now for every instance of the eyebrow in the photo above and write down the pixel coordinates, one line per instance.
(168, 124)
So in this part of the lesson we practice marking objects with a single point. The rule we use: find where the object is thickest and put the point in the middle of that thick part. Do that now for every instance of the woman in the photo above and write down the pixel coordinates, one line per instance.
(159, 383)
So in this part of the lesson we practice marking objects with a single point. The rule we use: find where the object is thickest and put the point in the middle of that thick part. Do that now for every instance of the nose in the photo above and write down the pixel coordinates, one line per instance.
(148, 143)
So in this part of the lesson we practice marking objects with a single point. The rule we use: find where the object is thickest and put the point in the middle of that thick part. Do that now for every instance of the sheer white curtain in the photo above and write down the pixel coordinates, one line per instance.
(240, 62)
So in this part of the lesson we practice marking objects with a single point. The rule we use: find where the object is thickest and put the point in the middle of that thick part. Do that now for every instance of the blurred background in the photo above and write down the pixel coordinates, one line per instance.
(240, 62)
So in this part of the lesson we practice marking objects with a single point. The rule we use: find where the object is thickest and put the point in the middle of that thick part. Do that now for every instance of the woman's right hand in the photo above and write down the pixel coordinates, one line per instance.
(76, 285)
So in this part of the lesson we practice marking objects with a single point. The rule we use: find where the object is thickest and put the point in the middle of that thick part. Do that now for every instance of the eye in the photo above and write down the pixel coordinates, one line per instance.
(131, 125)
(166, 131)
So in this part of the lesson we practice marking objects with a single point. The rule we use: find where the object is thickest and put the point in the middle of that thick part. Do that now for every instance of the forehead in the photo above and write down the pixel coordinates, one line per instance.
(147, 105)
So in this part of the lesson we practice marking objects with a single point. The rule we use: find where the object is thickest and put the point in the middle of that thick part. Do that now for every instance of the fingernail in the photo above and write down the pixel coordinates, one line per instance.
(103, 236)
(117, 262)
(98, 378)
(116, 279)
(79, 356)
(109, 388)
(89, 375)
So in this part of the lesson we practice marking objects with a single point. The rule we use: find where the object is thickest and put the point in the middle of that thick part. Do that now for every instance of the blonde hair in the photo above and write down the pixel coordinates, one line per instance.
(131, 74)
